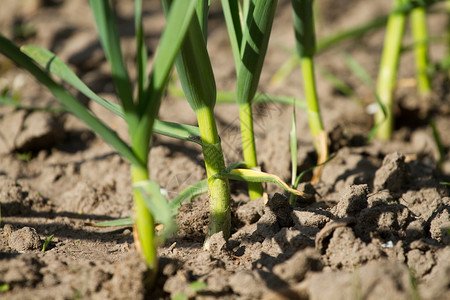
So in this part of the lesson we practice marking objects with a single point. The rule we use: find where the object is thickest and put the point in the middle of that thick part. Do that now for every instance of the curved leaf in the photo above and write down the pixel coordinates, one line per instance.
(109, 38)
(56, 66)
(258, 176)
(68, 100)
(190, 192)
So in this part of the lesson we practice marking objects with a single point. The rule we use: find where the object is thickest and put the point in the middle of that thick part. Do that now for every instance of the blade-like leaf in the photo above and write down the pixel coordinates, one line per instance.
(196, 189)
(47, 242)
(359, 71)
(236, 165)
(258, 176)
(194, 69)
(141, 55)
(202, 11)
(304, 27)
(109, 38)
(286, 68)
(364, 76)
(230, 97)
(170, 129)
(178, 131)
(246, 8)
(178, 20)
(157, 204)
(337, 83)
(56, 66)
(231, 12)
(11, 102)
(188, 193)
(114, 223)
(351, 33)
(72, 104)
(300, 176)
(179, 17)
(300, 103)
(255, 42)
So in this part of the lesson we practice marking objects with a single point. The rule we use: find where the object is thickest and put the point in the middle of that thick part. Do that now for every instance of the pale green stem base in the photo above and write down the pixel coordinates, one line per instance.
(144, 223)
(255, 189)
(388, 72)
(420, 35)
(219, 188)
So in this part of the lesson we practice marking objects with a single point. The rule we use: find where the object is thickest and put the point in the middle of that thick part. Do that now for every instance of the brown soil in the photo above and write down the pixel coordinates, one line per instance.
(375, 229)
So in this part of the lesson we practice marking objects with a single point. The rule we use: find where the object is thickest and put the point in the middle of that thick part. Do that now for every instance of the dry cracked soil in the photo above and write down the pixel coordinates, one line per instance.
(376, 224)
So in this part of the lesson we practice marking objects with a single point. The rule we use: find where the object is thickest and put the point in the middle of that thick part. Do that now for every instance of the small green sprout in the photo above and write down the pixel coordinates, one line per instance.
(296, 180)
(195, 287)
(24, 30)
(4, 287)
(25, 156)
(77, 294)
(414, 285)
(439, 145)
(47, 242)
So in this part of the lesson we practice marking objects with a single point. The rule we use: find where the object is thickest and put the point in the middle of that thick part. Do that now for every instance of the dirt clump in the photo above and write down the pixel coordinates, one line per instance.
(376, 226)
(24, 239)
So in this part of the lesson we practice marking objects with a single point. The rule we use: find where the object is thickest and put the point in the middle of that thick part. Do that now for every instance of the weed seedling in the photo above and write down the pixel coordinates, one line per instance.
(4, 287)
(194, 287)
(47, 242)
(439, 145)
(25, 156)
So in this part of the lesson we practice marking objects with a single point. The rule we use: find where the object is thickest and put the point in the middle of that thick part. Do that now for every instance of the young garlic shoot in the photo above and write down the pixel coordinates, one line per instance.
(197, 80)
(249, 27)
(388, 70)
(306, 48)
(418, 18)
